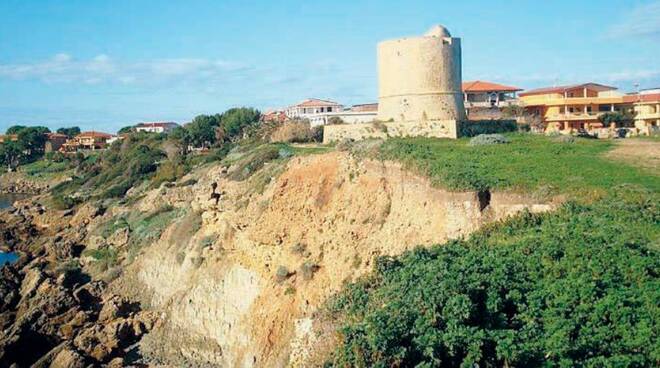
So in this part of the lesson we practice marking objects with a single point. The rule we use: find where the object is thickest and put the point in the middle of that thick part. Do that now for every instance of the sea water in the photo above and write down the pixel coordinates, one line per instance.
(6, 201)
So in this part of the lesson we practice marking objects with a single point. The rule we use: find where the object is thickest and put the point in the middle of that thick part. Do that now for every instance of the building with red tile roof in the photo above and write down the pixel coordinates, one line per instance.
(89, 140)
(579, 107)
(480, 94)
(312, 106)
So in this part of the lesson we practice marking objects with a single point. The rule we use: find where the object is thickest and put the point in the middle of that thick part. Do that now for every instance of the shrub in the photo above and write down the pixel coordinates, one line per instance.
(379, 125)
(282, 274)
(565, 139)
(307, 269)
(317, 134)
(254, 160)
(105, 257)
(63, 202)
(113, 225)
(285, 152)
(187, 183)
(488, 139)
(335, 120)
(345, 144)
(293, 132)
(576, 288)
(206, 242)
(474, 128)
(299, 248)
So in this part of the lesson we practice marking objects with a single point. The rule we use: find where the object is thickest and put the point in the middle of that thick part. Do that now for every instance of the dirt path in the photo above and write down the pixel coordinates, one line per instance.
(638, 152)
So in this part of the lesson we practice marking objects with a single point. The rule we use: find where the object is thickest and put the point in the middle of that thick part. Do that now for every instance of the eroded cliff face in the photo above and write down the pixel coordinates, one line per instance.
(245, 288)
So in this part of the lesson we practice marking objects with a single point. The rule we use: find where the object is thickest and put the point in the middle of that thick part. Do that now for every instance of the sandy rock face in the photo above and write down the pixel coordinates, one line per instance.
(245, 288)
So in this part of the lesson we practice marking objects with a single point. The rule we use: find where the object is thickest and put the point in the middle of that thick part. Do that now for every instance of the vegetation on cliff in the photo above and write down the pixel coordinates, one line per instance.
(529, 163)
(574, 288)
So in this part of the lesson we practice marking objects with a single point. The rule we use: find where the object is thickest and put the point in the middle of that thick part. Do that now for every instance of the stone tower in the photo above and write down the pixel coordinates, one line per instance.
(420, 78)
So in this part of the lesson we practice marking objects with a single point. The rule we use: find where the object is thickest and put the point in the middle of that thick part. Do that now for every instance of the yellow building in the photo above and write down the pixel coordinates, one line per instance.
(646, 106)
(575, 107)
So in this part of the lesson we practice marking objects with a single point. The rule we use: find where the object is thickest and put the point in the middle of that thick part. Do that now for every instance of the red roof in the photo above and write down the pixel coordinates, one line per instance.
(314, 102)
(651, 97)
(562, 89)
(481, 86)
(94, 134)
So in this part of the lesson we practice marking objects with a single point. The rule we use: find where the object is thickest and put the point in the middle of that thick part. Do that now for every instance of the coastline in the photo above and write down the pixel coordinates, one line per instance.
(18, 183)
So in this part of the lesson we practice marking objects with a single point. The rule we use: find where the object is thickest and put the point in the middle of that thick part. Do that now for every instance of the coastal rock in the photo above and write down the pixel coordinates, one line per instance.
(68, 358)
(9, 285)
(119, 238)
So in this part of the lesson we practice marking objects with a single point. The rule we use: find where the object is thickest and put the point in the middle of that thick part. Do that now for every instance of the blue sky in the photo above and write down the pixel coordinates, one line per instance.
(107, 64)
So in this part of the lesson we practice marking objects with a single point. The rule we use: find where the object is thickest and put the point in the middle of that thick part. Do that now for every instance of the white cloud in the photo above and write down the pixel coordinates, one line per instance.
(632, 76)
(641, 21)
(63, 68)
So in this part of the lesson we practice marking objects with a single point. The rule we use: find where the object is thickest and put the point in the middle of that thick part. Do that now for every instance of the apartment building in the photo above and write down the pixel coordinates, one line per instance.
(574, 107)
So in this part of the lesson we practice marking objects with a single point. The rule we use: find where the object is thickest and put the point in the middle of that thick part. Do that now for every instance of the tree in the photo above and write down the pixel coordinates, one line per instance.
(69, 132)
(126, 130)
(235, 120)
(618, 118)
(11, 154)
(33, 139)
(181, 138)
(201, 131)
(15, 129)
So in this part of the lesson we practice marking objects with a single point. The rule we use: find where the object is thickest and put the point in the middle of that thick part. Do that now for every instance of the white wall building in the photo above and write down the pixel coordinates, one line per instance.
(156, 127)
(311, 107)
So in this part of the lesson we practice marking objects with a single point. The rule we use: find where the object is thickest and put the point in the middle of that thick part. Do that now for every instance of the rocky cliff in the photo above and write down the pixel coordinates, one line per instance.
(239, 271)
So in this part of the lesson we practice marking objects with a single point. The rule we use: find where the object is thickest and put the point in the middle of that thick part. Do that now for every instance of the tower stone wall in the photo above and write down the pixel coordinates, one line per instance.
(420, 78)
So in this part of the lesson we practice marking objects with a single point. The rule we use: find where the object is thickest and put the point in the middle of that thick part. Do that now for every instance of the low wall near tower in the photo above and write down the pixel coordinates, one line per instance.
(437, 129)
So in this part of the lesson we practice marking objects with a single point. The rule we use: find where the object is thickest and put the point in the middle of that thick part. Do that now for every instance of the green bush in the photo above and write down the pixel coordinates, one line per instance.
(576, 288)
(254, 159)
(488, 139)
(282, 274)
(565, 139)
(63, 202)
(105, 258)
(307, 269)
(474, 128)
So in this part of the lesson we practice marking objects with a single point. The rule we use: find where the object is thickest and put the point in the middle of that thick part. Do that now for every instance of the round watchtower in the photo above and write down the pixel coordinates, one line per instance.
(420, 78)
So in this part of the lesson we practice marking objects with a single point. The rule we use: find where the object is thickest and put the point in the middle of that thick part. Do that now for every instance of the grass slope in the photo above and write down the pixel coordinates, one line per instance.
(528, 163)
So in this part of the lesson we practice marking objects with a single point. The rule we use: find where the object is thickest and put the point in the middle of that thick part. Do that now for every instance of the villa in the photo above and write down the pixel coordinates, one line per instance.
(90, 140)
(156, 127)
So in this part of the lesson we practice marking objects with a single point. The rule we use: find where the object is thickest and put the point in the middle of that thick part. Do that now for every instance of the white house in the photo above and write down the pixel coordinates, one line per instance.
(312, 106)
(364, 113)
(156, 127)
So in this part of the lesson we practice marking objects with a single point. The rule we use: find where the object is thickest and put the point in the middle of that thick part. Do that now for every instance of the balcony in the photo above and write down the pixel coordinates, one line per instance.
(647, 115)
(573, 116)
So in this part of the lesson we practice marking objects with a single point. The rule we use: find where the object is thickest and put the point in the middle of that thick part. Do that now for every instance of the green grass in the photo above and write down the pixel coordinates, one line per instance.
(574, 288)
(529, 163)
(44, 169)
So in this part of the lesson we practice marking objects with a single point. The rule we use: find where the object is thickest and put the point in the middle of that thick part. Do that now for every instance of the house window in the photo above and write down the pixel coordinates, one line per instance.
(329, 109)
(589, 109)
(604, 108)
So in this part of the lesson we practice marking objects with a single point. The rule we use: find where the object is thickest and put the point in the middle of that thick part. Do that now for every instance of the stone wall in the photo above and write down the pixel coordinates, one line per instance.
(437, 129)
